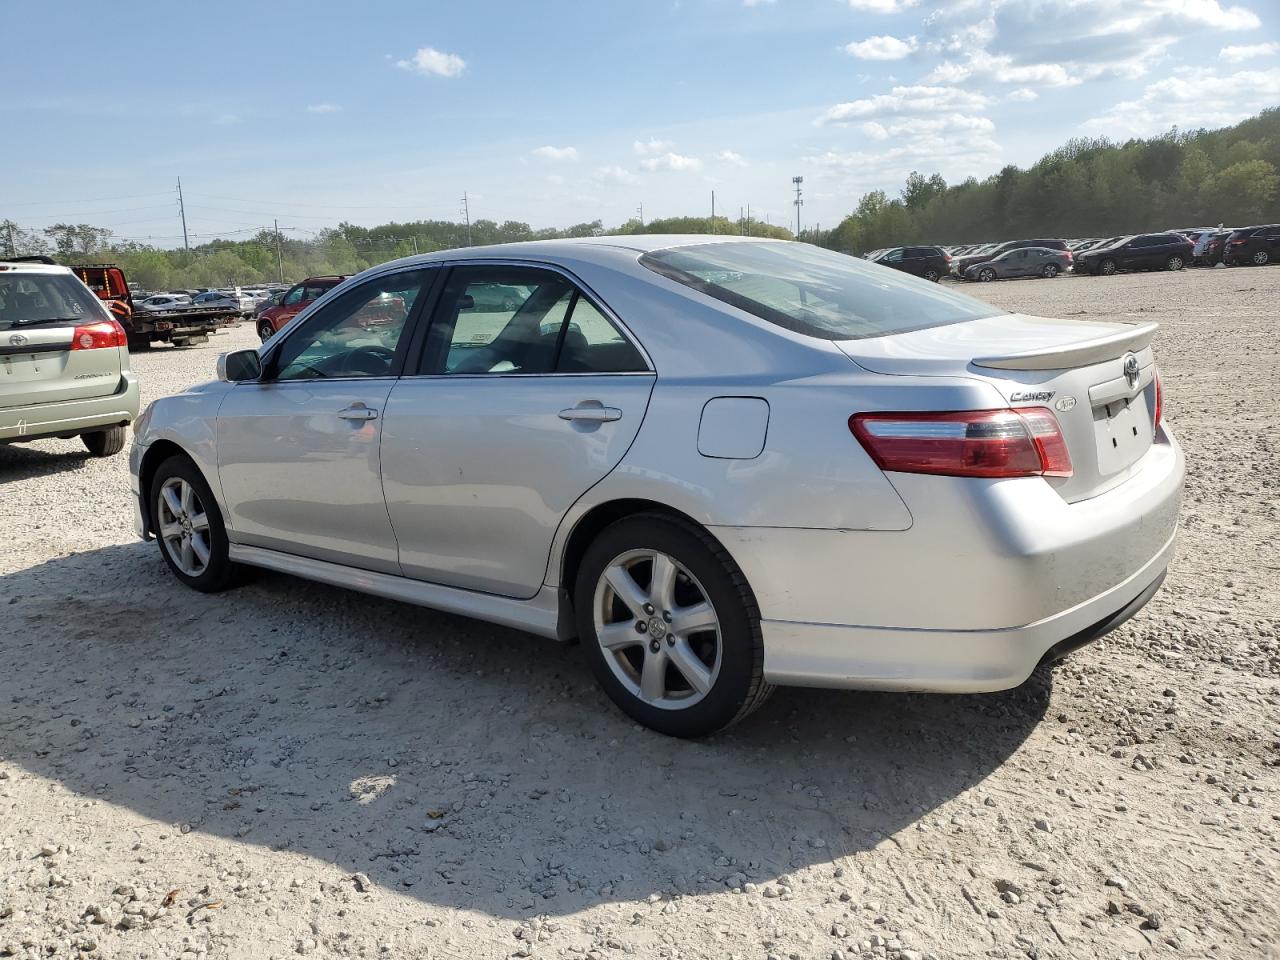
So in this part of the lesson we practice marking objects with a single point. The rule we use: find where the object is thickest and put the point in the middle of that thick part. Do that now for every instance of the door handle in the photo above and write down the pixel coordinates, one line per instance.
(591, 411)
(358, 411)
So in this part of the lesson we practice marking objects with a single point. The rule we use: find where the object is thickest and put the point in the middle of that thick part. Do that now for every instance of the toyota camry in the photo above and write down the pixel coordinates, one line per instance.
(719, 464)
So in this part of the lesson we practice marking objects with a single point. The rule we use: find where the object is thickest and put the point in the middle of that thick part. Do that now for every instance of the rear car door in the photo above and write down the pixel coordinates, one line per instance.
(512, 416)
(298, 449)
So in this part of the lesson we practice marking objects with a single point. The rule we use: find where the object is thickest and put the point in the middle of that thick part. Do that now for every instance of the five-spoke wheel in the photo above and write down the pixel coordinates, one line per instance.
(188, 525)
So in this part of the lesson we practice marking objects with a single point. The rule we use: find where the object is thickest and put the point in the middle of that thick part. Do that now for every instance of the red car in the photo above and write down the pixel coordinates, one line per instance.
(300, 295)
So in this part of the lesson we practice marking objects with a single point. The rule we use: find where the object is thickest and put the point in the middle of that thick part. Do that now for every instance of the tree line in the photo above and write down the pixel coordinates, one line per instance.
(1087, 187)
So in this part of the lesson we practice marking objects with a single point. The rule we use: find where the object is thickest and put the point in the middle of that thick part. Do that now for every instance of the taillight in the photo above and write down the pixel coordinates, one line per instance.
(94, 336)
(946, 257)
(1155, 420)
(966, 443)
(1069, 256)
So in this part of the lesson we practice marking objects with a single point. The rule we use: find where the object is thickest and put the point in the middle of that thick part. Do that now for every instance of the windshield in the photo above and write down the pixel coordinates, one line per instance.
(814, 291)
(33, 298)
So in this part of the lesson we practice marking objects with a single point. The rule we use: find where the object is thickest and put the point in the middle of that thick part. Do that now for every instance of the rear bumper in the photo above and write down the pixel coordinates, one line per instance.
(69, 417)
(991, 576)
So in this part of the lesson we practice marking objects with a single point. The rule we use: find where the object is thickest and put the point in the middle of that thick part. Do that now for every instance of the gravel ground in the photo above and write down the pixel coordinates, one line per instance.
(291, 769)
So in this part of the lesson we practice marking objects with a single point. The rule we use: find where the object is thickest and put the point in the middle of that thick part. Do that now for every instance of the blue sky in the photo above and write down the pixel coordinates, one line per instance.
(555, 112)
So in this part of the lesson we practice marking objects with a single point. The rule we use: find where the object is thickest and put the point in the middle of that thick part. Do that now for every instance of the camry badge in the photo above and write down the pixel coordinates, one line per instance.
(1131, 369)
(1031, 396)
(17, 339)
(1065, 403)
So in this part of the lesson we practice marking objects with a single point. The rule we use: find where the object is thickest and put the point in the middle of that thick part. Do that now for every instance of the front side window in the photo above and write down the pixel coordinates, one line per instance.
(294, 296)
(521, 320)
(356, 335)
(813, 291)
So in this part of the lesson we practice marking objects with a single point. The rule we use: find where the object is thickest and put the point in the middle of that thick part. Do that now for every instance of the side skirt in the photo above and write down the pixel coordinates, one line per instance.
(538, 615)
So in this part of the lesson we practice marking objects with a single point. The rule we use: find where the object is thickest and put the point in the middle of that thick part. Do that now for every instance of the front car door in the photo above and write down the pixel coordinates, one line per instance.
(513, 414)
(298, 450)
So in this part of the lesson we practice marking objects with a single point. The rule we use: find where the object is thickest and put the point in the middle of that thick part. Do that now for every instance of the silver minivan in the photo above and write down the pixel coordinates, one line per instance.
(64, 361)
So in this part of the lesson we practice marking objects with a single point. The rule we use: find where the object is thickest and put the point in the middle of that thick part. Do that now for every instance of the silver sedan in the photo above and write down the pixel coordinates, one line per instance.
(720, 464)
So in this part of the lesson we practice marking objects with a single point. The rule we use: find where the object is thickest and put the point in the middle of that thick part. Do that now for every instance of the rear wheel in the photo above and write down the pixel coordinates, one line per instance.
(1174, 263)
(104, 443)
(932, 275)
(1260, 258)
(986, 274)
(670, 626)
(1107, 268)
(265, 331)
(188, 526)
(1050, 271)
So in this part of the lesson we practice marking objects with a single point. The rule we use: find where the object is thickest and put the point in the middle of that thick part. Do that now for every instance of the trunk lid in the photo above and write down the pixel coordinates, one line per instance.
(1097, 378)
(41, 367)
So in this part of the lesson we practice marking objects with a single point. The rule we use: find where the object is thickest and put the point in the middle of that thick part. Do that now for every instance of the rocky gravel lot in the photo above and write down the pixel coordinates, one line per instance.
(290, 770)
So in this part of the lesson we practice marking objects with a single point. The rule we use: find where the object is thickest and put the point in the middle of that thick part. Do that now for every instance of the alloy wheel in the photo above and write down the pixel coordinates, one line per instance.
(1260, 258)
(1175, 263)
(183, 526)
(986, 276)
(1108, 267)
(657, 628)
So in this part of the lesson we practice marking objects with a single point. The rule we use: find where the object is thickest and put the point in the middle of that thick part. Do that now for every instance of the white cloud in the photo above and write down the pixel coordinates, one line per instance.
(881, 6)
(556, 153)
(730, 157)
(555, 178)
(227, 119)
(616, 174)
(1002, 69)
(432, 62)
(324, 108)
(1206, 101)
(881, 48)
(671, 161)
(1023, 95)
(1235, 54)
(875, 130)
(906, 99)
(650, 147)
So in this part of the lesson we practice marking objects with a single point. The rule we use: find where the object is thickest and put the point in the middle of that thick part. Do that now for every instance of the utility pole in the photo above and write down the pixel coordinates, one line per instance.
(713, 211)
(279, 258)
(640, 211)
(182, 212)
(741, 223)
(799, 203)
(414, 238)
(466, 213)
(748, 219)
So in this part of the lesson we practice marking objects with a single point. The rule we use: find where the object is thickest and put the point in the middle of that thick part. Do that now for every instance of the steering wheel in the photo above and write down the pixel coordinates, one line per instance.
(371, 360)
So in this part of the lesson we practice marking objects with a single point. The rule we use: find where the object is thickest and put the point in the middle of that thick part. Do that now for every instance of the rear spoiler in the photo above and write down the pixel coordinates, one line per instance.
(1106, 347)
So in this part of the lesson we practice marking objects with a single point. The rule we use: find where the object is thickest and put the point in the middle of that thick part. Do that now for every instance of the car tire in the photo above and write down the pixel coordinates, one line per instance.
(933, 276)
(1050, 271)
(1107, 268)
(1260, 258)
(700, 679)
(104, 443)
(265, 331)
(193, 516)
(986, 275)
(1174, 263)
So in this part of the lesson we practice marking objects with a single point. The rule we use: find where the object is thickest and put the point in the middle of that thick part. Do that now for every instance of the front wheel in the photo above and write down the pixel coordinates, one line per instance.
(188, 526)
(265, 331)
(986, 275)
(933, 276)
(670, 626)
(104, 443)
(1260, 258)
(1050, 271)
(1174, 263)
(1107, 268)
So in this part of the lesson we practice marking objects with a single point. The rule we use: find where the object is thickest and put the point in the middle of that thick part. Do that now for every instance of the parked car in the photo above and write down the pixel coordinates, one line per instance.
(960, 264)
(732, 499)
(299, 296)
(218, 299)
(931, 263)
(164, 301)
(1146, 251)
(64, 361)
(1211, 255)
(1254, 246)
(1023, 262)
(266, 303)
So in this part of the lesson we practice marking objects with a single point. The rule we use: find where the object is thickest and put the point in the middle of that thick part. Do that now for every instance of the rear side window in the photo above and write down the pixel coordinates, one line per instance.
(813, 291)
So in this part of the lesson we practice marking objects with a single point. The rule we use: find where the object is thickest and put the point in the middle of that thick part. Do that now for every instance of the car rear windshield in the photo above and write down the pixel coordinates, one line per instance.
(813, 291)
(33, 298)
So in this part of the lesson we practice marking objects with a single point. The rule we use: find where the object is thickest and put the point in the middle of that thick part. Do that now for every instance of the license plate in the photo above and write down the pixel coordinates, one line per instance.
(1124, 432)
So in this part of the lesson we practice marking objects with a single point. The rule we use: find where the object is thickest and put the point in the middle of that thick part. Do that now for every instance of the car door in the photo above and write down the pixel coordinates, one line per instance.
(894, 258)
(511, 417)
(298, 449)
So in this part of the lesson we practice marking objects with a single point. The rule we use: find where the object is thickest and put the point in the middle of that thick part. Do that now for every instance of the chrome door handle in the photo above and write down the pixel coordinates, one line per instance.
(358, 412)
(591, 413)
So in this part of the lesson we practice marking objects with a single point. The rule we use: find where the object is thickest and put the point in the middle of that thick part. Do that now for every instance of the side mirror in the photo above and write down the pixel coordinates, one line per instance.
(239, 366)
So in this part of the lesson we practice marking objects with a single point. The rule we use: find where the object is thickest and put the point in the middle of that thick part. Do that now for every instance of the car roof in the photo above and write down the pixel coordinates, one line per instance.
(23, 266)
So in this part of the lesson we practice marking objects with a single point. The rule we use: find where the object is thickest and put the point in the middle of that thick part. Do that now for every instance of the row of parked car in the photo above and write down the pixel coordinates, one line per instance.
(246, 301)
(1098, 256)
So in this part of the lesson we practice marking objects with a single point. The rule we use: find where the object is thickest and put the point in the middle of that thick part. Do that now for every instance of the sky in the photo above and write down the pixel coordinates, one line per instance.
(556, 112)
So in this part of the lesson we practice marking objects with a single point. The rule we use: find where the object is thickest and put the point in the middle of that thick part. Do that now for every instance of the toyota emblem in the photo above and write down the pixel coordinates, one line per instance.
(1131, 369)
(17, 339)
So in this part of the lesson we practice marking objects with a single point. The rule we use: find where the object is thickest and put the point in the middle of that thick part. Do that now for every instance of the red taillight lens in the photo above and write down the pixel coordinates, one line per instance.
(1159, 403)
(947, 257)
(966, 443)
(94, 336)
(1069, 256)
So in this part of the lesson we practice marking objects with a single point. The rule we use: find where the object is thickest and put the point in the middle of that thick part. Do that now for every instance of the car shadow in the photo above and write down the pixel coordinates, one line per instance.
(18, 461)
(449, 760)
